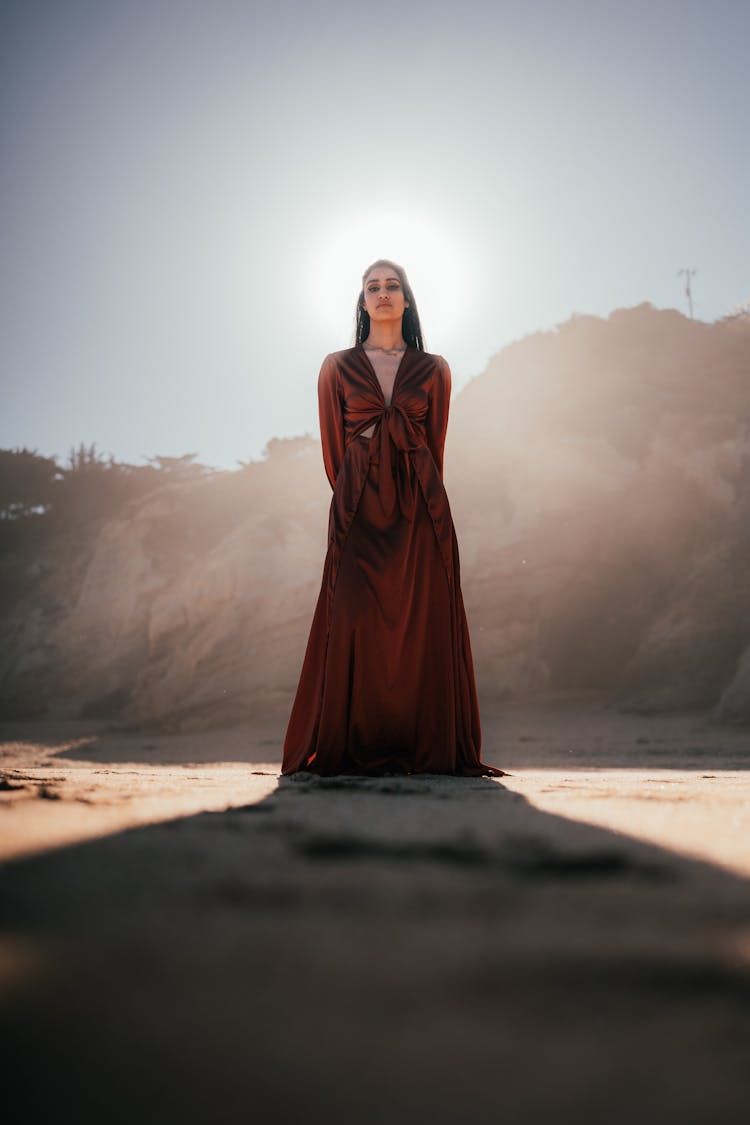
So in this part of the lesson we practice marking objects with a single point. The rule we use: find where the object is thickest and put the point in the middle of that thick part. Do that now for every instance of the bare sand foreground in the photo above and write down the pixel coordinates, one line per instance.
(187, 937)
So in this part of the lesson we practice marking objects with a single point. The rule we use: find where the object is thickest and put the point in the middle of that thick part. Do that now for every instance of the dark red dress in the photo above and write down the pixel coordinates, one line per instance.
(387, 681)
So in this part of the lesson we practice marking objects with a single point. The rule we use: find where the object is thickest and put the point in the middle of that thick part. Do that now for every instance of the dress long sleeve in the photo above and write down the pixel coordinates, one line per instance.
(331, 415)
(437, 417)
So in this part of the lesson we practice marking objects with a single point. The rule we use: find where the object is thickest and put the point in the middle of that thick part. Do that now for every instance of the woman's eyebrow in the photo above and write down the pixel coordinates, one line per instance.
(375, 280)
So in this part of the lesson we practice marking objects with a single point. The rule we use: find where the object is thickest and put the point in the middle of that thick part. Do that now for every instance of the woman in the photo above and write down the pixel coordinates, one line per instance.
(387, 682)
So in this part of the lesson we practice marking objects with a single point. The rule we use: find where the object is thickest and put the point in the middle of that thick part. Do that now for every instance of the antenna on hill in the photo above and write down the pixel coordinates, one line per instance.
(688, 289)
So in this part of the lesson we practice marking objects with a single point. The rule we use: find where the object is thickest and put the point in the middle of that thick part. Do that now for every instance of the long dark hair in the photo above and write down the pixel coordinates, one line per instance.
(411, 329)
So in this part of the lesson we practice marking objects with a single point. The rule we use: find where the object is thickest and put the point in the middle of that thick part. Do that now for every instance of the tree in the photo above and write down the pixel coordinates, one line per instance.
(185, 466)
(27, 483)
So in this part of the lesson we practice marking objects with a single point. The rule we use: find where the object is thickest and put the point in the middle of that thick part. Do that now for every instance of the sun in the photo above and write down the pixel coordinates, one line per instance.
(434, 260)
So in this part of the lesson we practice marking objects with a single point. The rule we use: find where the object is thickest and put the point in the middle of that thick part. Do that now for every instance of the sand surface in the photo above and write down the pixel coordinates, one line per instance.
(186, 936)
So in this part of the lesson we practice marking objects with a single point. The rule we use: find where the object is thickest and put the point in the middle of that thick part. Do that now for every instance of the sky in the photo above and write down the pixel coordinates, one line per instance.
(190, 192)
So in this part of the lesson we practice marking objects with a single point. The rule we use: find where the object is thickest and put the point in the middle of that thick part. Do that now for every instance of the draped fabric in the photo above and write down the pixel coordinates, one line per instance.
(387, 681)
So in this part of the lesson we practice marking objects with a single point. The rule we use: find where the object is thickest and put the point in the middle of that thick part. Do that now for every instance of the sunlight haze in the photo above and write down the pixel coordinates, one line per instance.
(191, 192)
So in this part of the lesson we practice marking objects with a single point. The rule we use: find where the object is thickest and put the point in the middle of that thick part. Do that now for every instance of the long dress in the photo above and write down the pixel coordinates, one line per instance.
(387, 681)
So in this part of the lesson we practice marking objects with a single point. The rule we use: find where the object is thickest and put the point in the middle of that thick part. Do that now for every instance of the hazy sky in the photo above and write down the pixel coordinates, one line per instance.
(190, 192)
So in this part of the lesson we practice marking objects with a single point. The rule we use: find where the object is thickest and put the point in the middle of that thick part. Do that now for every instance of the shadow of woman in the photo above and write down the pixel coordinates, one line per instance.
(358, 949)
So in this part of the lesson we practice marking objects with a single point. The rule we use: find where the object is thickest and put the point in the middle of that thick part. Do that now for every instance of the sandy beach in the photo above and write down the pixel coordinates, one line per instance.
(187, 936)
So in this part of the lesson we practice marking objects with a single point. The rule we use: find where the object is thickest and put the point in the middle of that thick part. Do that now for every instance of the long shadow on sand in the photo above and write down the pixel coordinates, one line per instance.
(372, 950)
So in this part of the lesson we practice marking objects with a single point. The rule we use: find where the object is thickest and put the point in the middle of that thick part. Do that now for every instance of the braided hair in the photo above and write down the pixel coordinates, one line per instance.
(411, 329)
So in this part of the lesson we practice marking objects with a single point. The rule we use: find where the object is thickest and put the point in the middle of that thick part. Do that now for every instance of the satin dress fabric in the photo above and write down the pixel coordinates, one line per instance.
(387, 681)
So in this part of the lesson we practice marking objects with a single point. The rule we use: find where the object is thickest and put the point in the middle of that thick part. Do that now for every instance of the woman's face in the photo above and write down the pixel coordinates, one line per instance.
(384, 295)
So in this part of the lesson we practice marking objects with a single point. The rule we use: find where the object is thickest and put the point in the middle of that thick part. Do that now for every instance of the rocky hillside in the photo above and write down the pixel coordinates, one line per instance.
(602, 484)
(599, 476)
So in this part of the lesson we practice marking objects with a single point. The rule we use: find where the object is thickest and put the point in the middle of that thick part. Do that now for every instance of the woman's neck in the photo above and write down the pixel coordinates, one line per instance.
(384, 336)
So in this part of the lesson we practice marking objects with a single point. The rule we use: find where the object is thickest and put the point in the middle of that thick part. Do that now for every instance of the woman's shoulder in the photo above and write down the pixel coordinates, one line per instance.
(437, 362)
(432, 359)
(338, 359)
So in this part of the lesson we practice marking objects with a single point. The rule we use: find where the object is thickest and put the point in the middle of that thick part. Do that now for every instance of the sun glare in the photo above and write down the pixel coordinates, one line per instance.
(434, 260)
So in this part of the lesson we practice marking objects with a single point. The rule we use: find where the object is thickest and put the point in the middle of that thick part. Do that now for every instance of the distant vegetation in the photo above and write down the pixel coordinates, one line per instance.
(39, 497)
